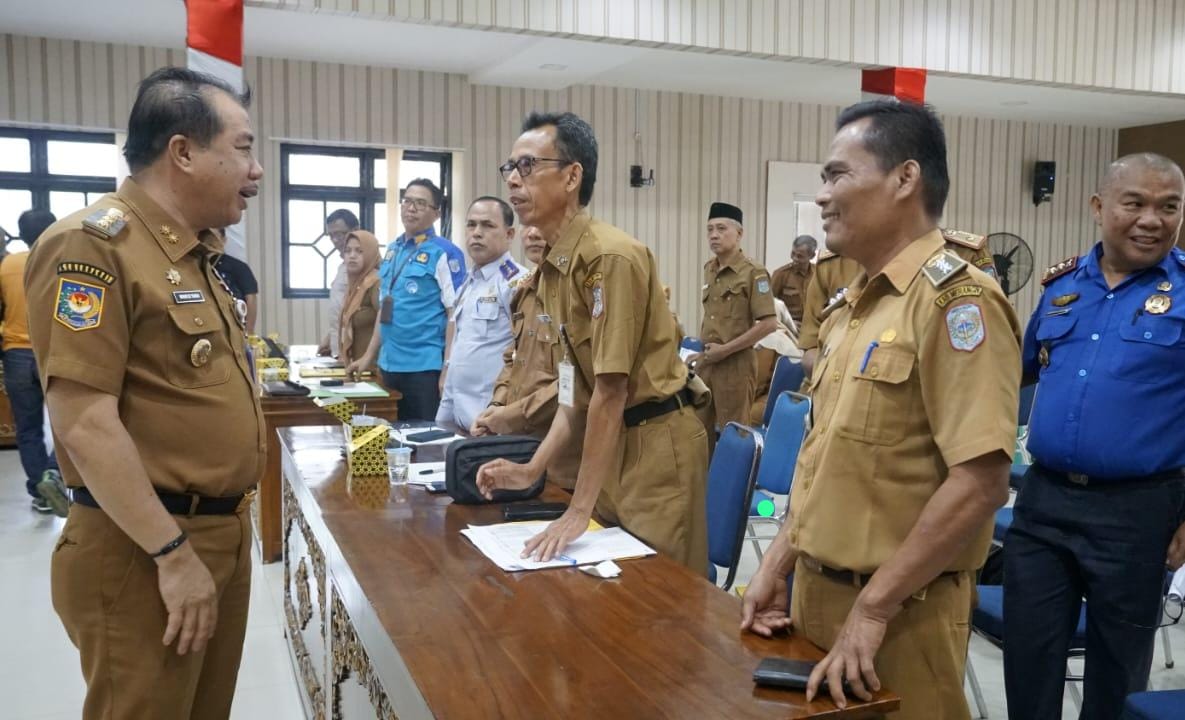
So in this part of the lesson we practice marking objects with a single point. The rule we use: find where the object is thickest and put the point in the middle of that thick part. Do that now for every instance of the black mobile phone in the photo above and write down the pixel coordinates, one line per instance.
(428, 436)
(788, 674)
(533, 511)
(333, 382)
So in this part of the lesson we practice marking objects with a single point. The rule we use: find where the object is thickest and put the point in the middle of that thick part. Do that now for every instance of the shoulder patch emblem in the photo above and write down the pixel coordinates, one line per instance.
(942, 267)
(593, 279)
(966, 239)
(508, 269)
(105, 223)
(598, 307)
(964, 327)
(763, 285)
(453, 265)
(1056, 271)
(955, 293)
(81, 268)
(79, 304)
(422, 258)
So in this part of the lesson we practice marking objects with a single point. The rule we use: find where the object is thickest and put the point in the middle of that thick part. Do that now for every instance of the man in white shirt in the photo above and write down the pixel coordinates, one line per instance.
(480, 330)
(338, 225)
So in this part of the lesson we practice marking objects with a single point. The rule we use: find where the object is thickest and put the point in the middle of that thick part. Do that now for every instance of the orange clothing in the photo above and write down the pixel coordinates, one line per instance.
(12, 293)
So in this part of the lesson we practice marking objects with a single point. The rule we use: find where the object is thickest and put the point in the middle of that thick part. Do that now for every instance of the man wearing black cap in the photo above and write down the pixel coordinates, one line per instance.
(738, 311)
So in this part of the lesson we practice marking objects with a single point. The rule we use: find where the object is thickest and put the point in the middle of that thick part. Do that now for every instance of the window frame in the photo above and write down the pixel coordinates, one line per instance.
(39, 181)
(366, 195)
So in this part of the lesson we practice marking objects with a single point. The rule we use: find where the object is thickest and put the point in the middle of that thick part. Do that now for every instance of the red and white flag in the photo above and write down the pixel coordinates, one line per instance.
(214, 45)
(904, 84)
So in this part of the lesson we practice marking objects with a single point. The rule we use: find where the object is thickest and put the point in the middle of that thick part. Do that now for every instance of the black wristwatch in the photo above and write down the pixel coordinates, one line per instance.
(171, 546)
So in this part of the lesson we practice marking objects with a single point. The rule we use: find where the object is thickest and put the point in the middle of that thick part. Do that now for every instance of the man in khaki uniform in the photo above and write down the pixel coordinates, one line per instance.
(526, 392)
(834, 273)
(142, 354)
(790, 281)
(738, 311)
(897, 482)
(645, 451)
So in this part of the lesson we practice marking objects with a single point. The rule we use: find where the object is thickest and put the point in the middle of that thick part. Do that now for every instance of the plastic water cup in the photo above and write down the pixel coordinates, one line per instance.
(400, 458)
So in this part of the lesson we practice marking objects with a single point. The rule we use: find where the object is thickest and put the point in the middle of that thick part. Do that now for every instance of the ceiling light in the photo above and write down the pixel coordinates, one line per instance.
(553, 66)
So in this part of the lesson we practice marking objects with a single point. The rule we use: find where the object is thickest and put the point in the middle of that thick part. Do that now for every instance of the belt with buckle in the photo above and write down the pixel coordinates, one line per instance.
(851, 577)
(639, 414)
(1084, 480)
(182, 504)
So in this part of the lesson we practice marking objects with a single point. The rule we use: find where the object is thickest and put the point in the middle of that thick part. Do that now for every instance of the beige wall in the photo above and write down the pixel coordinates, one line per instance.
(1125, 44)
(701, 148)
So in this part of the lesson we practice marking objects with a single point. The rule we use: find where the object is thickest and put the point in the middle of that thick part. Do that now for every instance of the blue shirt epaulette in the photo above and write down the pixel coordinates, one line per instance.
(1056, 271)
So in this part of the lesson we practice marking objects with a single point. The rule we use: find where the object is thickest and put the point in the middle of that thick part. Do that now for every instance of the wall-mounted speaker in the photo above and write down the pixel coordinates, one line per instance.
(1043, 176)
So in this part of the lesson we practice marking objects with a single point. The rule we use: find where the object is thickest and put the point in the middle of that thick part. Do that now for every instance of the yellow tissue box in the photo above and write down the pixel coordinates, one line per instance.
(341, 408)
(367, 455)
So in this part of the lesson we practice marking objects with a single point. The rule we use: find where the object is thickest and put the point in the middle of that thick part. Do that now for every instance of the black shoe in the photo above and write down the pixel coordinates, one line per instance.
(41, 506)
(53, 490)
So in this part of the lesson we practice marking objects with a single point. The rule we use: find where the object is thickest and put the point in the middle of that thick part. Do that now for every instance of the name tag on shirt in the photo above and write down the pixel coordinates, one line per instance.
(487, 308)
(567, 383)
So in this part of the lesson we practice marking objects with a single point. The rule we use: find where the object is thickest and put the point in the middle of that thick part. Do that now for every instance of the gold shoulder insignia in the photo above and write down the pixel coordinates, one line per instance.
(593, 279)
(1056, 271)
(966, 239)
(105, 223)
(825, 254)
(943, 266)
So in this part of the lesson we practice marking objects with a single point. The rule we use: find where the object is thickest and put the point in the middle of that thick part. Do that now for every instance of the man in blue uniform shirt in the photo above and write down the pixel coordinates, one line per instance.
(480, 329)
(417, 285)
(1100, 512)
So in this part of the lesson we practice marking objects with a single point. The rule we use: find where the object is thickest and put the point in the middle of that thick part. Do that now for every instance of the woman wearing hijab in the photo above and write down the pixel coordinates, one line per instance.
(361, 306)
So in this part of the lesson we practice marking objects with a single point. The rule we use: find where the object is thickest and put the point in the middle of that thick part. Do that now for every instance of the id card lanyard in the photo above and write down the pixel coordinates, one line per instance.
(567, 372)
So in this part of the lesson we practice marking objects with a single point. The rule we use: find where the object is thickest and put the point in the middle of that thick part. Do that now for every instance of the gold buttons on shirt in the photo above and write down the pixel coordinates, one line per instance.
(835, 376)
(199, 322)
(854, 323)
(873, 372)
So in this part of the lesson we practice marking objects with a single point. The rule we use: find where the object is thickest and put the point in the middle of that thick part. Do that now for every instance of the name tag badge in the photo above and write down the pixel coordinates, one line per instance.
(183, 297)
(567, 384)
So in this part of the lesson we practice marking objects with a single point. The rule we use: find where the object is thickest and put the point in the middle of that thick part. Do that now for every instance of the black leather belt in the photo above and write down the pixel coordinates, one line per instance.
(1082, 480)
(848, 577)
(639, 414)
(181, 504)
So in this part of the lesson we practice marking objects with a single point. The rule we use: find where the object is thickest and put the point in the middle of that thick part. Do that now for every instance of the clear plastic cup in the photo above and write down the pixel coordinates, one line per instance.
(400, 461)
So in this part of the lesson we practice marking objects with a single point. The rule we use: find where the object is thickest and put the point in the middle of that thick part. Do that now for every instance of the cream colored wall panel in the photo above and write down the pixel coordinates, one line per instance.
(1107, 28)
(889, 23)
(7, 99)
(813, 30)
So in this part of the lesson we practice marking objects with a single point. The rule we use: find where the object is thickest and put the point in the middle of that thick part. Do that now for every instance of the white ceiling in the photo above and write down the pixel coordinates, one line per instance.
(554, 63)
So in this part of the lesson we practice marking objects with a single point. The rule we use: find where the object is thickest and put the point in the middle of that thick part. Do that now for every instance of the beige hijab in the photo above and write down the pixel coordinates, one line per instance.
(360, 285)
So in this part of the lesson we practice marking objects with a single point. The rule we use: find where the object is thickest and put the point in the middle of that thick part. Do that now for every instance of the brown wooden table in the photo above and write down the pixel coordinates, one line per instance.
(392, 613)
(281, 412)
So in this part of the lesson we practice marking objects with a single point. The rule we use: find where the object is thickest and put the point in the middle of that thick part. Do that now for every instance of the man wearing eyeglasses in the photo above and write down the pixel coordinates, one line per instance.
(645, 451)
(417, 287)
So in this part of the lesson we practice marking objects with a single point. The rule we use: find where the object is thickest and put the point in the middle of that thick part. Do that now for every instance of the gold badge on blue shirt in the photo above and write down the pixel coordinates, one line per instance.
(1158, 304)
(1063, 300)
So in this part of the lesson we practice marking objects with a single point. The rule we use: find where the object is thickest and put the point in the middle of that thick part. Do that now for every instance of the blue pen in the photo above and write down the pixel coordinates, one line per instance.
(567, 559)
(868, 354)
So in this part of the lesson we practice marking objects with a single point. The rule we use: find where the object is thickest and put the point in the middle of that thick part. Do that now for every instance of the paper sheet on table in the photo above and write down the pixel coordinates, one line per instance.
(358, 389)
(399, 435)
(503, 544)
(425, 473)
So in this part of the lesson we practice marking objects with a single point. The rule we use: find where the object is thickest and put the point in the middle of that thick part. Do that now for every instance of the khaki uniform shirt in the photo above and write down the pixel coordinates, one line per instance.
(123, 299)
(902, 361)
(527, 384)
(601, 287)
(833, 273)
(736, 296)
(789, 285)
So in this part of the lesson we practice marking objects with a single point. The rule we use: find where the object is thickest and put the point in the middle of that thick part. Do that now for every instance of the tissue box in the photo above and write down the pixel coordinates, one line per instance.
(366, 455)
(341, 408)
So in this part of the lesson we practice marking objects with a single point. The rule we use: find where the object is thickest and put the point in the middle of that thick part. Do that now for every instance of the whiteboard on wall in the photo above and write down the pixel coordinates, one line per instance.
(790, 209)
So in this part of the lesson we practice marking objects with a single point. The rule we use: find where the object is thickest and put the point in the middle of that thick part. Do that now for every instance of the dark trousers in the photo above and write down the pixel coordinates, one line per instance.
(421, 393)
(23, 386)
(1068, 542)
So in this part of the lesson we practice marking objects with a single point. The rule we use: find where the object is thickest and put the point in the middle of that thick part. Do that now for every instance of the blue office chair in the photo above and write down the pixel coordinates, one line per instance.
(788, 375)
(1158, 705)
(783, 439)
(731, 477)
(987, 621)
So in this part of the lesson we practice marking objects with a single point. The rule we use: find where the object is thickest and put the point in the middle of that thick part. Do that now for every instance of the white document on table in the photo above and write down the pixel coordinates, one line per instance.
(425, 473)
(503, 544)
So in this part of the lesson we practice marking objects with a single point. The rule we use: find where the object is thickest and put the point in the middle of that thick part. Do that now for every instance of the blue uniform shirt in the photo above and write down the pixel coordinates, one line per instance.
(415, 273)
(1111, 395)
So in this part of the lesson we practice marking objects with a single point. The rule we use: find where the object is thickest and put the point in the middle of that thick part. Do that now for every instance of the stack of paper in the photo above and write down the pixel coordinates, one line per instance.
(503, 544)
(425, 473)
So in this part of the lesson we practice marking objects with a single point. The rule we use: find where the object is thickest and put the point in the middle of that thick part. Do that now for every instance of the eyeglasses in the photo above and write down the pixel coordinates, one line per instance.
(1171, 610)
(417, 203)
(525, 165)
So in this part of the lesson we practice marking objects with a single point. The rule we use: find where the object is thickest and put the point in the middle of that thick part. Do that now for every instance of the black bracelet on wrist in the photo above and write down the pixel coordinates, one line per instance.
(171, 546)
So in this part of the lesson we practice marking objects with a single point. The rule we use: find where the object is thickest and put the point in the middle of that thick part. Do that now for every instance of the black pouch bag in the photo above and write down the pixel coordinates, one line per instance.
(464, 457)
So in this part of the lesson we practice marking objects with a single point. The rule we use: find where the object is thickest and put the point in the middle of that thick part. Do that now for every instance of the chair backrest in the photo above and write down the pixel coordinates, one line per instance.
(782, 441)
(788, 375)
(731, 477)
(1026, 404)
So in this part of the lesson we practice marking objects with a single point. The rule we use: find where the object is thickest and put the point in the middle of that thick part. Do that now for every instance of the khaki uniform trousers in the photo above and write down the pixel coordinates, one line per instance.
(660, 494)
(105, 590)
(733, 383)
(925, 648)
